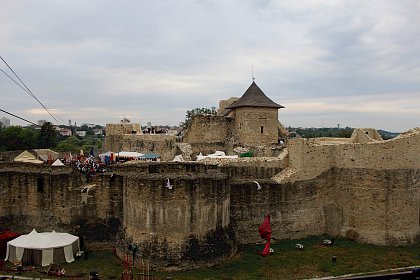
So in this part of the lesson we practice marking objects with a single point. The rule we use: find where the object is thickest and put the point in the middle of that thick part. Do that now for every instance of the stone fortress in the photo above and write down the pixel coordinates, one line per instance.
(192, 214)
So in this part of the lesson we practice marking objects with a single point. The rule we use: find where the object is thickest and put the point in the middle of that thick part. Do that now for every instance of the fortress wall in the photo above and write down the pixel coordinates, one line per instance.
(180, 227)
(163, 144)
(379, 206)
(98, 211)
(251, 168)
(309, 158)
(397, 153)
(208, 129)
(297, 210)
(120, 129)
(35, 196)
(58, 204)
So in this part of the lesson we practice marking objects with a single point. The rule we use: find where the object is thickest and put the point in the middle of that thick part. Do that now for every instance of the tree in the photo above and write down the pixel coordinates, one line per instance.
(197, 111)
(47, 136)
(17, 138)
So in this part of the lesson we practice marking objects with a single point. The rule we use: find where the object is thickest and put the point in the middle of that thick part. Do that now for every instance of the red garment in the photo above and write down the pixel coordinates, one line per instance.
(266, 250)
(265, 228)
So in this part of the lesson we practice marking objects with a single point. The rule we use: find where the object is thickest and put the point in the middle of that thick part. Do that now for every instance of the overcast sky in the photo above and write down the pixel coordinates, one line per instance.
(353, 63)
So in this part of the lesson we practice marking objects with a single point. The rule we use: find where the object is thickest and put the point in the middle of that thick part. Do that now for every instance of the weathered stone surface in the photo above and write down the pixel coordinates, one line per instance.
(364, 191)
(184, 226)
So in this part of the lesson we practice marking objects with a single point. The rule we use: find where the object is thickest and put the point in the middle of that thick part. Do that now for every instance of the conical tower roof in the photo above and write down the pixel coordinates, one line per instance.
(254, 97)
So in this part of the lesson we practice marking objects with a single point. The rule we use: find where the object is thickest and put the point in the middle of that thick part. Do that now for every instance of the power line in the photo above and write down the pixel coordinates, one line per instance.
(28, 90)
(19, 117)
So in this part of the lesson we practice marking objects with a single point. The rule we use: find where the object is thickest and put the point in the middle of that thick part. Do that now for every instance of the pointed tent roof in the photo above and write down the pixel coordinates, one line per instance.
(254, 97)
(57, 163)
(26, 156)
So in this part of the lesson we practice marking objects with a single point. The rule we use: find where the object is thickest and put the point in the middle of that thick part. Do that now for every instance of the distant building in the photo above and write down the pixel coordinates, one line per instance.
(98, 131)
(5, 122)
(65, 131)
(81, 133)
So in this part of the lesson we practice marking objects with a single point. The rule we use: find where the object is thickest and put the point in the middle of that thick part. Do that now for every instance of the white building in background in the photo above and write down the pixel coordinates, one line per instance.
(5, 122)
(81, 133)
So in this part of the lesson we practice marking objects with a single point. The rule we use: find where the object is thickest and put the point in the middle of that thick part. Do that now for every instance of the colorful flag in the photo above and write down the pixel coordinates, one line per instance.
(266, 250)
(265, 228)
(265, 233)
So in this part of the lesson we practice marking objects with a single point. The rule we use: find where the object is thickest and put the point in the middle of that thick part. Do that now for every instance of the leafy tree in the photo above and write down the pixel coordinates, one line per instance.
(71, 144)
(197, 111)
(17, 138)
(48, 136)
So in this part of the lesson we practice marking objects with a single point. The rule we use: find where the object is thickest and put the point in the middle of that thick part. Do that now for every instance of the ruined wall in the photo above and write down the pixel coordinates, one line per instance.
(209, 129)
(255, 126)
(163, 144)
(380, 207)
(296, 209)
(308, 158)
(35, 196)
(46, 198)
(122, 128)
(178, 228)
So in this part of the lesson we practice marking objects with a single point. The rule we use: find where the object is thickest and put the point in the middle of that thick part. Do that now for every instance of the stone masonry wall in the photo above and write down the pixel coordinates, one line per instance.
(120, 128)
(208, 129)
(309, 157)
(46, 198)
(182, 227)
(163, 144)
(339, 202)
(256, 126)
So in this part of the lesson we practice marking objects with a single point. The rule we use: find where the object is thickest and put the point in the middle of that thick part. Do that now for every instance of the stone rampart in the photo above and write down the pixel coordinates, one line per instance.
(46, 198)
(163, 144)
(122, 128)
(309, 158)
(209, 129)
(178, 214)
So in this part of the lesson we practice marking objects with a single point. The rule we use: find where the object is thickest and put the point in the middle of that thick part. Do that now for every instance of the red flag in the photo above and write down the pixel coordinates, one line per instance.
(265, 228)
(266, 250)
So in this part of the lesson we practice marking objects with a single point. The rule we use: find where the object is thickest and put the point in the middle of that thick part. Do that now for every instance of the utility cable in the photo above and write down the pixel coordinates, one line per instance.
(28, 90)
(18, 117)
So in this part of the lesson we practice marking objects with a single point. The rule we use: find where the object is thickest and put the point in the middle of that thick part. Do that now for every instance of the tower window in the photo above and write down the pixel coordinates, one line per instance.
(40, 185)
(262, 129)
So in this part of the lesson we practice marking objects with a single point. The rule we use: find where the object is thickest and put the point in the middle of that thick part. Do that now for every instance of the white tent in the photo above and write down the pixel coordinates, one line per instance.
(128, 154)
(26, 156)
(217, 154)
(42, 248)
(178, 158)
(57, 163)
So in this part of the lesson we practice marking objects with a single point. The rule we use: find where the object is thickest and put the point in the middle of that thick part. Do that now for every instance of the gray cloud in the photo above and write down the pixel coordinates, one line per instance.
(96, 60)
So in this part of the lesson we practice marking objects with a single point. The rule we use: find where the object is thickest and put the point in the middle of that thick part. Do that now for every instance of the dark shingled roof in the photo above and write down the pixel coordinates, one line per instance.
(254, 97)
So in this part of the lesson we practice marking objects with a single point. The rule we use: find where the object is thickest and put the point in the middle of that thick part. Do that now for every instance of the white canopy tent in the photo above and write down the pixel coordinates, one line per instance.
(58, 162)
(217, 154)
(42, 248)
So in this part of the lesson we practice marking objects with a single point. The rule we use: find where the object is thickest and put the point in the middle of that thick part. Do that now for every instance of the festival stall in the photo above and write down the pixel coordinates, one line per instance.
(4, 238)
(42, 248)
